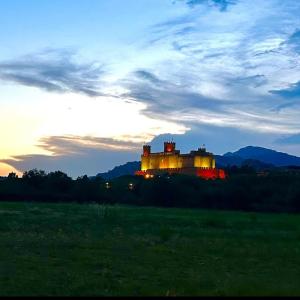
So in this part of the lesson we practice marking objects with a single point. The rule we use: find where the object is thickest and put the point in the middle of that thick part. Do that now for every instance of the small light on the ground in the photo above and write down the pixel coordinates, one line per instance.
(130, 186)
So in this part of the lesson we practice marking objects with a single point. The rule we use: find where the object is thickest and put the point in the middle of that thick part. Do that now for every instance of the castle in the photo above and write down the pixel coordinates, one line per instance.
(198, 163)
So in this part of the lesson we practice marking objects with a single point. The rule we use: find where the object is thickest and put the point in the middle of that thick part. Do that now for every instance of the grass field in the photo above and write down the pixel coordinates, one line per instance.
(93, 250)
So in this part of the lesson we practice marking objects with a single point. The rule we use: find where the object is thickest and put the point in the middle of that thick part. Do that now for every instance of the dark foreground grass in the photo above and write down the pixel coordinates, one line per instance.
(93, 250)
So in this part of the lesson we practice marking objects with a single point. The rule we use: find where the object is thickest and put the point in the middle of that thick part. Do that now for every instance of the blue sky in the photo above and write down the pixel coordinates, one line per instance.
(83, 84)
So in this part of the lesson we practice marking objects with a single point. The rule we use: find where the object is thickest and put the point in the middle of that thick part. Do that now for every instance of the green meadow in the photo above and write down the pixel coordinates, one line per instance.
(97, 250)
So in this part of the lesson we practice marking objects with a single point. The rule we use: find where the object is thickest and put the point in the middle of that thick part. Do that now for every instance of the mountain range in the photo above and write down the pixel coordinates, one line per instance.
(278, 159)
(257, 157)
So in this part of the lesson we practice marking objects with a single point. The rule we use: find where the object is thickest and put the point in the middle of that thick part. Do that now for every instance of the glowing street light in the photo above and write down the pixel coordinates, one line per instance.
(131, 186)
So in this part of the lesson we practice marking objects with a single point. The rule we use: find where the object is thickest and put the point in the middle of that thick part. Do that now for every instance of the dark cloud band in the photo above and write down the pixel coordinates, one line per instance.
(54, 71)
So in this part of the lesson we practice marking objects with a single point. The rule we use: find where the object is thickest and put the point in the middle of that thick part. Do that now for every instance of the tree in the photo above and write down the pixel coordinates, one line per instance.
(12, 176)
(34, 177)
(59, 181)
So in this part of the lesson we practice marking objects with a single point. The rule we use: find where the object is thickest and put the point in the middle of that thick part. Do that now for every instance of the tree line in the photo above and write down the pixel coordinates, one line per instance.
(244, 189)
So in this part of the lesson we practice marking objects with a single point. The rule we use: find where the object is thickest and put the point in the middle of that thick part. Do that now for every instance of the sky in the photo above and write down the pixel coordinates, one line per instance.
(84, 84)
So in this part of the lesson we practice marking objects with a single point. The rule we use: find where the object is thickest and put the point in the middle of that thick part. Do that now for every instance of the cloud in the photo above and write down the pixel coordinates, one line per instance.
(148, 76)
(218, 140)
(78, 155)
(294, 40)
(255, 80)
(63, 145)
(292, 92)
(225, 69)
(192, 102)
(54, 71)
(166, 97)
(222, 5)
(289, 97)
(188, 23)
(289, 140)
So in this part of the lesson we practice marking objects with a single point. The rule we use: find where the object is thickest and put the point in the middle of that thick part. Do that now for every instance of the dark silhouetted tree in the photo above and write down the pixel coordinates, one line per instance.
(34, 177)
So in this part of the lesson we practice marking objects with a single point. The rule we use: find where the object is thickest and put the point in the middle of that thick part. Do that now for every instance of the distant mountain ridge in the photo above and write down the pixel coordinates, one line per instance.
(127, 169)
(278, 159)
(256, 157)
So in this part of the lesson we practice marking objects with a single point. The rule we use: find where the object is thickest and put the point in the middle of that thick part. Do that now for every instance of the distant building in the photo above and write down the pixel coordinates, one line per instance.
(198, 163)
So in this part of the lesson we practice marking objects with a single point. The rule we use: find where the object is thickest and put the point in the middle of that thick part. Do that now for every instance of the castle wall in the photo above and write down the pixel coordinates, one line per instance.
(161, 161)
(188, 161)
(145, 163)
(175, 161)
(204, 162)
(213, 163)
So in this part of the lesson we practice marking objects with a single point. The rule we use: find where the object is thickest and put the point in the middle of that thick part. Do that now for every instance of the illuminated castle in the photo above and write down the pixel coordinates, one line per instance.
(199, 163)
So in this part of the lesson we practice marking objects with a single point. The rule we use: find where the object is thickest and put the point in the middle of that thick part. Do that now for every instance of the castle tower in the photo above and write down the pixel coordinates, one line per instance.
(169, 147)
(146, 150)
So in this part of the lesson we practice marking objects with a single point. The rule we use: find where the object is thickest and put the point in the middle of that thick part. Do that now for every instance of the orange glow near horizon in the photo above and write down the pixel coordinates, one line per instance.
(5, 169)
(44, 115)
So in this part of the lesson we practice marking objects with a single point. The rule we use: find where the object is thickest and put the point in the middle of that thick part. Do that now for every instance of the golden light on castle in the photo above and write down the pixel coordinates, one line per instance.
(199, 163)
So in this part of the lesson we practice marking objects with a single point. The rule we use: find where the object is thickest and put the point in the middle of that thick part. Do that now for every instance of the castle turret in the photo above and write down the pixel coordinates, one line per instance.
(146, 150)
(202, 149)
(169, 147)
